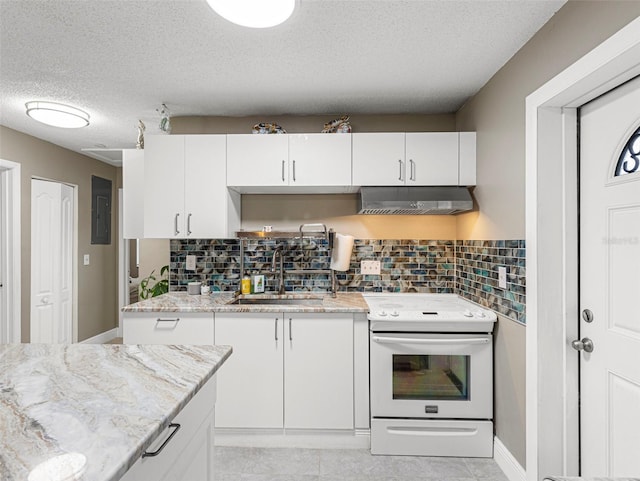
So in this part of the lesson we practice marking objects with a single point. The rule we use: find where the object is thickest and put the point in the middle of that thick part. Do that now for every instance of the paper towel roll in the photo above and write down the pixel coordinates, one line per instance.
(341, 255)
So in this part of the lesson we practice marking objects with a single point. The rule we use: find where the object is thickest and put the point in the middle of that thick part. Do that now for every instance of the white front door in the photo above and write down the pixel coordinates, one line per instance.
(4, 316)
(610, 283)
(52, 230)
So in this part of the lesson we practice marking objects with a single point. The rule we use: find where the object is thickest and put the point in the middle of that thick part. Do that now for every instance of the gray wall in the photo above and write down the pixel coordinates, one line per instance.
(97, 283)
(497, 113)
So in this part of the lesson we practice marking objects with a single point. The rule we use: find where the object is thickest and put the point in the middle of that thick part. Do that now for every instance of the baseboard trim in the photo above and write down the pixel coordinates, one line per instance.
(280, 438)
(509, 465)
(102, 338)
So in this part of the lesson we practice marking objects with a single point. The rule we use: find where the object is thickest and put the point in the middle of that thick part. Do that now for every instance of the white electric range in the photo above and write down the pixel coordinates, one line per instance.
(431, 374)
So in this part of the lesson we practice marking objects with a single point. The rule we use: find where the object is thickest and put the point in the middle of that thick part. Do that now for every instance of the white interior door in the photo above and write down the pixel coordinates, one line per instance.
(52, 231)
(610, 283)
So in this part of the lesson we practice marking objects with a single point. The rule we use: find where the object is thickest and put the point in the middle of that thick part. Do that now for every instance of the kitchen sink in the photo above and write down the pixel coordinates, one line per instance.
(280, 301)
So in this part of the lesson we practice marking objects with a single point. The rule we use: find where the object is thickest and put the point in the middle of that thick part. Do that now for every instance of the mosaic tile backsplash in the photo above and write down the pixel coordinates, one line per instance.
(437, 266)
(477, 265)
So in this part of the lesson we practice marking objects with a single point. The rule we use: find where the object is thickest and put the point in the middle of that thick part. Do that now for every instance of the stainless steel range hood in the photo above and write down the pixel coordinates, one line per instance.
(414, 200)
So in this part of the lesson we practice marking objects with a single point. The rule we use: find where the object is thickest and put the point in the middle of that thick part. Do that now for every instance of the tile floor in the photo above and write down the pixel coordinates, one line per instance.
(283, 464)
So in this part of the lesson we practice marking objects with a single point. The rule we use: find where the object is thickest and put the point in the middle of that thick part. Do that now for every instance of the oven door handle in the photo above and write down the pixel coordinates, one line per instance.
(420, 431)
(431, 341)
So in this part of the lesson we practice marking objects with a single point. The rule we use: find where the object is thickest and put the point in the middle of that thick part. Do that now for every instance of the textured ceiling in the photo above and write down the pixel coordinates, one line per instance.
(121, 59)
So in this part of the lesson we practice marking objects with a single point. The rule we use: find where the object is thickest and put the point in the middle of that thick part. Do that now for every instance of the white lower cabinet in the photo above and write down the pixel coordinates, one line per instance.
(291, 371)
(167, 328)
(252, 379)
(188, 455)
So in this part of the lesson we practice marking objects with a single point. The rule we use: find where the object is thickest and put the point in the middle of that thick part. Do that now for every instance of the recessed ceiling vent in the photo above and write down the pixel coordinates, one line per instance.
(414, 200)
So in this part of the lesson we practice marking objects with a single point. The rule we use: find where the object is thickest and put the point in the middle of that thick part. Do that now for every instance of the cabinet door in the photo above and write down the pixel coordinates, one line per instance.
(188, 455)
(319, 159)
(205, 186)
(168, 328)
(250, 385)
(432, 158)
(164, 186)
(318, 371)
(257, 160)
(467, 159)
(378, 158)
(133, 193)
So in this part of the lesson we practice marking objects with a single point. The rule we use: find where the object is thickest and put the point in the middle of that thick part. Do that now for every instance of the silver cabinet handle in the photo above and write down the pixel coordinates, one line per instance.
(400, 167)
(189, 224)
(585, 344)
(412, 171)
(148, 454)
(175, 224)
(290, 332)
(276, 328)
(283, 171)
(294, 170)
(177, 319)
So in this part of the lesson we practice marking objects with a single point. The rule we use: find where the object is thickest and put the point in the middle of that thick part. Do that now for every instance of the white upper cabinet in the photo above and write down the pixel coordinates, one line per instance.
(185, 188)
(414, 158)
(432, 158)
(133, 193)
(378, 158)
(467, 159)
(257, 160)
(319, 159)
(282, 162)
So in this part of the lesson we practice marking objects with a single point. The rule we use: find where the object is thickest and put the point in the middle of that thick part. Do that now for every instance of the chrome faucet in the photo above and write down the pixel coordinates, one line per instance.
(279, 251)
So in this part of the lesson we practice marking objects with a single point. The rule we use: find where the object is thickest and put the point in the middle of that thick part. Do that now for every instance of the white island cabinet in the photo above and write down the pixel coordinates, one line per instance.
(288, 370)
(185, 188)
(289, 163)
(183, 451)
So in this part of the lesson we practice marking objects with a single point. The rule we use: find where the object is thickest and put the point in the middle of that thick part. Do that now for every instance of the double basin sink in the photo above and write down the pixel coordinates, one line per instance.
(279, 300)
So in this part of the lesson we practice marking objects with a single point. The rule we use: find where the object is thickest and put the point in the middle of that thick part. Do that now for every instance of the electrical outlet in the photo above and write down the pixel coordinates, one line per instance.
(370, 268)
(502, 277)
(191, 263)
(86, 259)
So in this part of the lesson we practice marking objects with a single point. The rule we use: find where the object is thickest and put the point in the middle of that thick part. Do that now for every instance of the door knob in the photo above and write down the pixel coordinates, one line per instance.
(585, 344)
(45, 300)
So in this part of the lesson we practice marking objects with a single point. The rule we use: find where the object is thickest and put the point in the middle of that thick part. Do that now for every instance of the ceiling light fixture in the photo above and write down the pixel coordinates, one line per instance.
(57, 115)
(254, 13)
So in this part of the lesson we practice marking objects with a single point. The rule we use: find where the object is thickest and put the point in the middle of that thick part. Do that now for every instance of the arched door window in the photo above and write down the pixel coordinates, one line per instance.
(629, 160)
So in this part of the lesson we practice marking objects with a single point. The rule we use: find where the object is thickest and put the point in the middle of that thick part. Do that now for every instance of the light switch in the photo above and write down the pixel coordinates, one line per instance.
(86, 260)
(191, 263)
(502, 277)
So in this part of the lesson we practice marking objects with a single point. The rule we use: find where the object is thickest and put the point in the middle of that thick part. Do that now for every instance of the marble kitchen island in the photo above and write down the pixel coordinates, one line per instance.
(108, 403)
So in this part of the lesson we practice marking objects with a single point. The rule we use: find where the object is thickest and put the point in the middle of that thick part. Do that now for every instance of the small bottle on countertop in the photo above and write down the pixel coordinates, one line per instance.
(245, 286)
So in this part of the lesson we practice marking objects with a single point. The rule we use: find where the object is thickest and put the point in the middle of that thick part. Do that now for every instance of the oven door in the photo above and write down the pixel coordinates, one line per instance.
(419, 375)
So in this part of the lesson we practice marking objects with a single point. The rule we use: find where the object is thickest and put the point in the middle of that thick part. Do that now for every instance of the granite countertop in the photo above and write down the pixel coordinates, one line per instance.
(105, 401)
(221, 302)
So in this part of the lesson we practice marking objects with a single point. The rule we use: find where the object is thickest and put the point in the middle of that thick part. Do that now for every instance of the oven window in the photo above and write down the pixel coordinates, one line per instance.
(430, 377)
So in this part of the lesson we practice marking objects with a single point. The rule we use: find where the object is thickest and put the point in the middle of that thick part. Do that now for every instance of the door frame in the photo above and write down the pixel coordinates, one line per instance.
(74, 257)
(551, 150)
(10, 176)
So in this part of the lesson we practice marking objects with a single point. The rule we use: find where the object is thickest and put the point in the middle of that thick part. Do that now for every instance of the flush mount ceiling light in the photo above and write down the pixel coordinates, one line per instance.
(254, 13)
(57, 115)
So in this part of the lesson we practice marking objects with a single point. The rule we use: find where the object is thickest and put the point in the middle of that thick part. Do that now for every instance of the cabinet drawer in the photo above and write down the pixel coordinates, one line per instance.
(168, 328)
(432, 437)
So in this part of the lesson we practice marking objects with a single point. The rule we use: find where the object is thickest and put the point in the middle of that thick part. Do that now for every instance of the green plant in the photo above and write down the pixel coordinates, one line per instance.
(147, 289)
